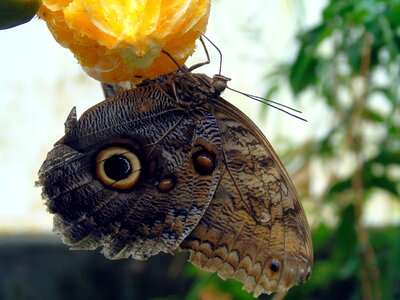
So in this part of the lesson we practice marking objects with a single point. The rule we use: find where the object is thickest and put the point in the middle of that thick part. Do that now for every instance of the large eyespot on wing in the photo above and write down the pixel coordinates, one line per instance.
(162, 206)
(118, 167)
(254, 229)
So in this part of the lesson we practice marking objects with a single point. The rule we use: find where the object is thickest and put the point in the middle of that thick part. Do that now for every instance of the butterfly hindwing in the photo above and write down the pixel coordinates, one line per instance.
(255, 228)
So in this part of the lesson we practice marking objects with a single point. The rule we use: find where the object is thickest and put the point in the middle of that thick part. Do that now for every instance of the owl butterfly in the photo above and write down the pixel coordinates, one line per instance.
(170, 166)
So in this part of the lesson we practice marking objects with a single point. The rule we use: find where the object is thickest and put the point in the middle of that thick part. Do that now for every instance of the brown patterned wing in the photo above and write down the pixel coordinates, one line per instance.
(255, 229)
(164, 203)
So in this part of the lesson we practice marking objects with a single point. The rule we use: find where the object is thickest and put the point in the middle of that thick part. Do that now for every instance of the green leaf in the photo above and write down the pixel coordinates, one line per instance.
(17, 12)
(303, 70)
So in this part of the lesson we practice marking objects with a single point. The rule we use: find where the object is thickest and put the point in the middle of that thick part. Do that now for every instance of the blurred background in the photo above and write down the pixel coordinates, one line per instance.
(337, 61)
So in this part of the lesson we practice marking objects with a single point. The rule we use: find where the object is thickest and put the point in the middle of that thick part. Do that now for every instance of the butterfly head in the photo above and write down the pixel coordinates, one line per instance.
(219, 83)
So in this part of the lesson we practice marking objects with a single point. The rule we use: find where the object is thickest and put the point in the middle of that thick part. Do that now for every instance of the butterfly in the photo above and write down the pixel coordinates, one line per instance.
(171, 166)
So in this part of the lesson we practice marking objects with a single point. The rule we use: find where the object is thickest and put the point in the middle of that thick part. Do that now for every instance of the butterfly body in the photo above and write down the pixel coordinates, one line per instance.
(171, 166)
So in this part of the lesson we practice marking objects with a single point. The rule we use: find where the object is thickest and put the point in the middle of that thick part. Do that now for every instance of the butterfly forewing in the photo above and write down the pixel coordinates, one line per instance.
(141, 221)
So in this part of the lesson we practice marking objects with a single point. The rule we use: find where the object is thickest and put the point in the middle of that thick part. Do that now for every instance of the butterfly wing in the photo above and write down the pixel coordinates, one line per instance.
(142, 220)
(231, 202)
(255, 229)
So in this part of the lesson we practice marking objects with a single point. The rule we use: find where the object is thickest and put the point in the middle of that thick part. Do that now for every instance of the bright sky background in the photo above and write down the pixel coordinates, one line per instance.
(41, 81)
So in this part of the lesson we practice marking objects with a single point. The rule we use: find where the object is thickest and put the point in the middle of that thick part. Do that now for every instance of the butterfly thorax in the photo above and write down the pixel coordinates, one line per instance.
(193, 89)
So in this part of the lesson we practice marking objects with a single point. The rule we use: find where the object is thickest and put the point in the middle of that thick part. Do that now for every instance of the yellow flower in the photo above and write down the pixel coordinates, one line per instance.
(118, 40)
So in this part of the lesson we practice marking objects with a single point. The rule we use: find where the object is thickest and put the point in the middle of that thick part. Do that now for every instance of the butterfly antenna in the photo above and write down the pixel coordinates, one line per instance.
(219, 51)
(283, 108)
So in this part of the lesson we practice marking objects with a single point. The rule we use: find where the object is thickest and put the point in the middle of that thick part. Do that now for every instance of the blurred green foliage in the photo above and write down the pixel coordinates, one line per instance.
(350, 62)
